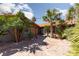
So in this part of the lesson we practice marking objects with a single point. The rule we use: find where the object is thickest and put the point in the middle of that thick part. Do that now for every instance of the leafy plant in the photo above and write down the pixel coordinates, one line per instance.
(72, 34)
(18, 22)
(51, 16)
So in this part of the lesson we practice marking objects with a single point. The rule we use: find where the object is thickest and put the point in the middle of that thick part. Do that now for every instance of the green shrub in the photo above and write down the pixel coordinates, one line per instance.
(59, 31)
(72, 34)
(66, 33)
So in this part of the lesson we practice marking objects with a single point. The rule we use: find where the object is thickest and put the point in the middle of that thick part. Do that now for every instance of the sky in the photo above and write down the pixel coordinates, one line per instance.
(16, 7)
(36, 10)
(39, 9)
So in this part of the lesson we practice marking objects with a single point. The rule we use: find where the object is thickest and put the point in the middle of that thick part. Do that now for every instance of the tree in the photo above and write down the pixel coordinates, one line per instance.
(17, 22)
(70, 17)
(11, 21)
(27, 23)
(70, 14)
(52, 15)
(76, 6)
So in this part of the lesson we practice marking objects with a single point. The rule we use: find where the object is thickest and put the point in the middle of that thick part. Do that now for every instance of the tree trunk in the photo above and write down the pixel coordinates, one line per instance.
(19, 34)
(16, 35)
(54, 31)
(51, 30)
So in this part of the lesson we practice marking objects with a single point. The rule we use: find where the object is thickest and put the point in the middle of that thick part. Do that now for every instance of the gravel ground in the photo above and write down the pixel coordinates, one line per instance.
(41, 46)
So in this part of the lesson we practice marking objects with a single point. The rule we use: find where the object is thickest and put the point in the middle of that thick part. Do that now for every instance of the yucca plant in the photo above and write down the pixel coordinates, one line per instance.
(51, 16)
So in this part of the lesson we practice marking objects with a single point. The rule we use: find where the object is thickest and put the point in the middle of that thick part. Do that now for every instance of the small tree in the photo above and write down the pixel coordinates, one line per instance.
(51, 16)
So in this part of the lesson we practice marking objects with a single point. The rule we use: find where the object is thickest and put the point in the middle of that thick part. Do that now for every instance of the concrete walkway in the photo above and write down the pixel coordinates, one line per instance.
(42, 46)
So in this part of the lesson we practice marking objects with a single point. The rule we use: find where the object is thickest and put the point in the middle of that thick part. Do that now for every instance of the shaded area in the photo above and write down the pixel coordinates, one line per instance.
(32, 46)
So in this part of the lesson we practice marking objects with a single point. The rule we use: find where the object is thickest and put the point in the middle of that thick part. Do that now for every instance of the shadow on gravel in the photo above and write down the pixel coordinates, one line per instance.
(32, 46)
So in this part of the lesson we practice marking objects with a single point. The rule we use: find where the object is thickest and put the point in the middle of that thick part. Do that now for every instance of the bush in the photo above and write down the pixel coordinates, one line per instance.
(59, 31)
(72, 34)
(66, 33)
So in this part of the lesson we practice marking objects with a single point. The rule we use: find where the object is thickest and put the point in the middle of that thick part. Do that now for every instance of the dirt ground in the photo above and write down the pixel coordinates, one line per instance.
(41, 46)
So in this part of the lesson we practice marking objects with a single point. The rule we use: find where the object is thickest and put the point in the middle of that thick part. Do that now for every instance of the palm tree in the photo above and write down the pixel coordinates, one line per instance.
(27, 23)
(51, 17)
(76, 6)
(71, 15)
(15, 22)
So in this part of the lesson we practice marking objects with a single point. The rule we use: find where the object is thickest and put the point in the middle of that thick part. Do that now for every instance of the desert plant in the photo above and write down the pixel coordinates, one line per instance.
(51, 16)
(72, 34)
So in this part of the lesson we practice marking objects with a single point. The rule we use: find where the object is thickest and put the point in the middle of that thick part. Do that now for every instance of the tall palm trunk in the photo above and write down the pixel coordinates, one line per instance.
(51, 30)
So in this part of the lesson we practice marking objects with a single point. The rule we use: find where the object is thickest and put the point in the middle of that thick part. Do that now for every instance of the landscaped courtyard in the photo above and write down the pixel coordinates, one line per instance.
(49, 32)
